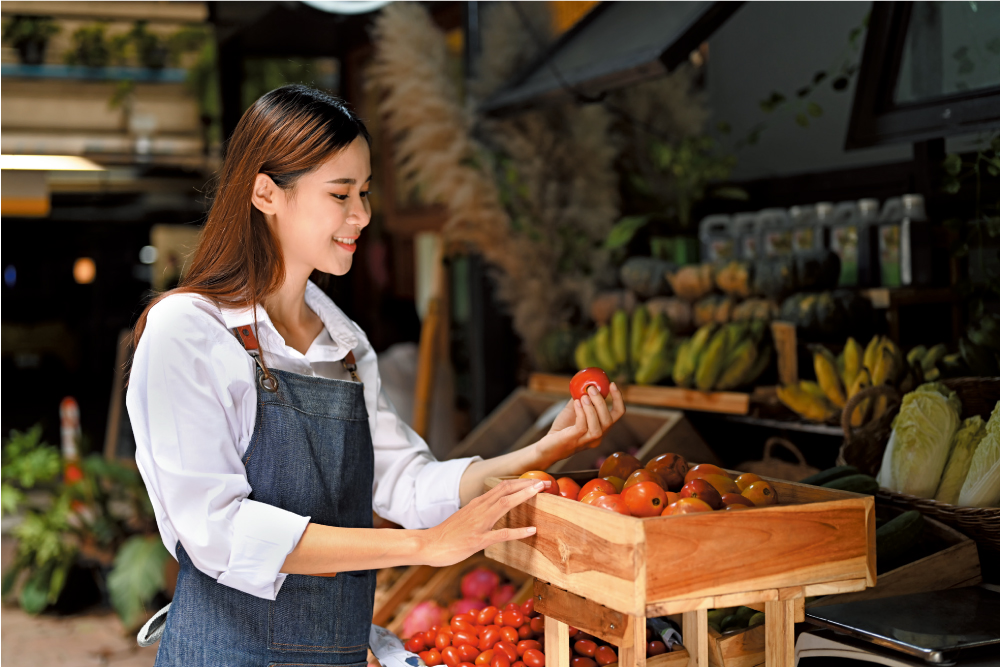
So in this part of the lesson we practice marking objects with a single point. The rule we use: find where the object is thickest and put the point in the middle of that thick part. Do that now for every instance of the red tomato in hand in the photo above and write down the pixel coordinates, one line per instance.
(431, 658)
(613, 502)
(451, 656)
(466, 664)
(487, 615)
(605, 655)
(552, 488)
(585, 378)
(533, 658)
(415, 644)
(485, 657)
(500, 660)
(518, 664)
(525, 644)
(468, 652)
(581, 661)
(585, 647)
(508, 649)
(487, 638)
(509, 634)
(513, 618)
(645, 499)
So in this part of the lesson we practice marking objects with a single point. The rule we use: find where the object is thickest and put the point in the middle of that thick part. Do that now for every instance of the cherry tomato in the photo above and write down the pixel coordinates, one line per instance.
(463, 625)
(581, 661)
(655, 648)
(466, 664)
(525, 631)
(487, 615)
(525, 644)
(573, 632)
(487, 638)
(585, 647)
(518, 664)
(508, 649)
(589, 376)
(533, 658)
(451, 656)
(513, 618)
(509, 634)
(538, 625)
(500, 660)
(463, 637)
(442, 641)
(498, 619)
(430, 636)
(605, 655)
(485, 657)
(432, 657)
(528, 608)
(458, 619)
(468, 652)
(415, 644)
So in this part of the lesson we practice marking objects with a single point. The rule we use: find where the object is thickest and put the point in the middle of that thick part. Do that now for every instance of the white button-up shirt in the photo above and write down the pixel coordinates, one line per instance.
(192, 401)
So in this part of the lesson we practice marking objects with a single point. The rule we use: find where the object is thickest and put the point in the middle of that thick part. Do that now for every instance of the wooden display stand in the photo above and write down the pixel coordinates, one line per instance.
(605, 573)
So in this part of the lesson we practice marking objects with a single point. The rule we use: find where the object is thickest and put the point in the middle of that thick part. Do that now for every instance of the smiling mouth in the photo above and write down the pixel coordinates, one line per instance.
(345, 240)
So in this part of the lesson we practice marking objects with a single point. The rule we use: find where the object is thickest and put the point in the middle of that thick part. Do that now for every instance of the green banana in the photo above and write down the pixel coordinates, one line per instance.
(637, 334)
(654, 368)
(915, 357)
(602, 350)
(683, 371)
(619, 337)
(712, 361)
(933, 356)
(584, 354)
(738, 364)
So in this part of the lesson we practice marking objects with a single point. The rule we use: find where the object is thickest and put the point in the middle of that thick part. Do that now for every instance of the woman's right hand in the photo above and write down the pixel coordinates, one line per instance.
(470, 529)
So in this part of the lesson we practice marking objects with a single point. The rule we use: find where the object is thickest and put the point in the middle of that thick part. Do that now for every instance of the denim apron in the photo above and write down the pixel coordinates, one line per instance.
(311, 454)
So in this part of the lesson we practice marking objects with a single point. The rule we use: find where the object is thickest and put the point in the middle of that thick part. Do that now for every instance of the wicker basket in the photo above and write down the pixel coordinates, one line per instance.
(865, 446)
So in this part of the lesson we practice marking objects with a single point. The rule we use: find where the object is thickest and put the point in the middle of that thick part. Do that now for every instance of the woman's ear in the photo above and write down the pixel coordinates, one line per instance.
(266, 195)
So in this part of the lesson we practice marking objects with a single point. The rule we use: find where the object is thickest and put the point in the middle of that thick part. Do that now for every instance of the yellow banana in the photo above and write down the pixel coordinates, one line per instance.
(804, 399)
(869, 358)
(602, 350)
(712, 361)
(584, 354)
(637, 334)
(825, 366)
(852, 361)
(862, 381)
(684, 365)
(739, 362)
(619, 337)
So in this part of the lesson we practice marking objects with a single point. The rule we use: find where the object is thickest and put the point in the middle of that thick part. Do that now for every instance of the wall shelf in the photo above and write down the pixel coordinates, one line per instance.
(80, 73)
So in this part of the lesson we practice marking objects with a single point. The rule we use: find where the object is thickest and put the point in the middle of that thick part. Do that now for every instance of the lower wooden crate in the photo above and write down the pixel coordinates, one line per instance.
(744, 648)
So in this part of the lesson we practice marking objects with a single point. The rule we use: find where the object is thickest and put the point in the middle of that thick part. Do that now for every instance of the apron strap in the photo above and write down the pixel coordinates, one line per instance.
(248, 340)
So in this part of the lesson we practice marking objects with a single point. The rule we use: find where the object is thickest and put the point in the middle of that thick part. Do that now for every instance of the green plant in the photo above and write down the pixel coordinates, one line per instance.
(90, 46)
(91, 519)
(22, 29)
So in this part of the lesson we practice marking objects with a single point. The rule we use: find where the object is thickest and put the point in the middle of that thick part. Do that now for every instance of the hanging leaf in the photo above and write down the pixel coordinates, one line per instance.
(803, 91)
(818, 77)
(814, 110)
(731, 192)
(624, 230)
(952, 164)
(136, 577)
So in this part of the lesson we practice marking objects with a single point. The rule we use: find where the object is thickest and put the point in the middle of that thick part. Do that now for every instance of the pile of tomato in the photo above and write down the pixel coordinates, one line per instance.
(589, 651)
(490, 637)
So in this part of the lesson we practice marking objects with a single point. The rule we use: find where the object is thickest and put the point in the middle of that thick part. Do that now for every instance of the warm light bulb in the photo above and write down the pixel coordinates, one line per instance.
(84, 270)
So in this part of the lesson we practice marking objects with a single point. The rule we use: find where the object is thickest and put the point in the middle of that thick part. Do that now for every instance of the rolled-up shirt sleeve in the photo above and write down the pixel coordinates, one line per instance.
(189, 392)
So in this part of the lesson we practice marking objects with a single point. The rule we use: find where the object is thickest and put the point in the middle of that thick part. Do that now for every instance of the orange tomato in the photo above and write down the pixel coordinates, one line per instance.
(645, 499)
(687, 506)
(761, 494)
(616, 482)
(568, 488)
(619, 464)
(552, 488)
(746, 479)
(703, 469)
(722, 484)
(602, 484)
(671, 467)
(645, 475)
(736, 499)
(613, 502)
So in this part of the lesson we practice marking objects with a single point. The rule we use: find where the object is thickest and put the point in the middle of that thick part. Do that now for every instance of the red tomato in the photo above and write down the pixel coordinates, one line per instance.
(468, 652)
(442, 641)
(459, 618)
(645, 499)
(512, 606)
(487, 615)
(509, 634)
(500, 660)
(485, 657)
(429, 637)
(518, 664)
(498, 619)
(466, 664)
(508, 649)
(573, 632)
(487, 638)
(580, 661)
(655, 648)
(605, 655)
(72, 474)
(552, 488)
(528, 608)
(514, 618)
(649, 635)
(525, 644)
(585, 647)
(591, 498)
(613, 502)
(702, 490)
(432, 657)
(538, 625)
(463, 625)
(463, 637)
(568, 488)
(533, 658)
(525, 631)
(415, 644)
(602, 484)
(451, 656)
(589, 376)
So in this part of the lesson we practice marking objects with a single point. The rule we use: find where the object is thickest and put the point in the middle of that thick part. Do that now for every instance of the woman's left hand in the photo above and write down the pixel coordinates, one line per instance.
(581, 425)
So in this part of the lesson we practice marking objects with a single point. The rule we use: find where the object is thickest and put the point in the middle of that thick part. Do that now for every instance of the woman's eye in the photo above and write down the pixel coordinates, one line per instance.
(341, 197)
(365, 193)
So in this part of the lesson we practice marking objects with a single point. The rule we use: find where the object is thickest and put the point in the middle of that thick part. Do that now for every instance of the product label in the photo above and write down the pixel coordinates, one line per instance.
(804, 238)
(889, 255)
(844, 242)
(777, 243)
(749, 247)
(719, 249)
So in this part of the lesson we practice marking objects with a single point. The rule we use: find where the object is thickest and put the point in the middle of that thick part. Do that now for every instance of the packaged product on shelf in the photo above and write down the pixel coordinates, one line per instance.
(851, 234)
(904, 242)
(747, 235)
(775, 232)
(716, 237)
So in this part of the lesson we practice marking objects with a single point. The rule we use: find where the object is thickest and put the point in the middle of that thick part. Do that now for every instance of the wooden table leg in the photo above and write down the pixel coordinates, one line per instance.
(694, 628)
(632, 650)
(779, 638)
(557, 649)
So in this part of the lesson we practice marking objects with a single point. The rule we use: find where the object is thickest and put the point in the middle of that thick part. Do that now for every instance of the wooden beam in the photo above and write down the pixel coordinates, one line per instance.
(779, 628)
(581, 613)
(557, 651)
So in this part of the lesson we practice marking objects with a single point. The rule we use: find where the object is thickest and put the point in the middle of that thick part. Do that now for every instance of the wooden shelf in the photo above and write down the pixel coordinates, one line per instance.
(889, 297)
(723, 402)
(787, 425)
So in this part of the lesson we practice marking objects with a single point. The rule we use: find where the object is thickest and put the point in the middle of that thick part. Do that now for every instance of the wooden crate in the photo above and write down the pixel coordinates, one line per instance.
(620, 570)
(400, 592)
(726, 402)
(444, 586)
(512, 425)
(744, 648)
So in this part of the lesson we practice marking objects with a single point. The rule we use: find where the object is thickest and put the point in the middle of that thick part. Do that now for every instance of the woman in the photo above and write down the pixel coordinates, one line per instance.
(262, 433)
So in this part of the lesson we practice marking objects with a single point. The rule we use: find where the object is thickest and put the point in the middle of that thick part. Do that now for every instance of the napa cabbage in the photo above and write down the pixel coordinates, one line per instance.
(982, 484)
(964, 444)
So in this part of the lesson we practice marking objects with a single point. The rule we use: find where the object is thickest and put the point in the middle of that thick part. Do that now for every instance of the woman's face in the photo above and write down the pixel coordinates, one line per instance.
(319, 220)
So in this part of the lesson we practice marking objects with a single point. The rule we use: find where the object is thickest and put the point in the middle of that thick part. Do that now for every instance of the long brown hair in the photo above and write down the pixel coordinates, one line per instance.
(284, 134)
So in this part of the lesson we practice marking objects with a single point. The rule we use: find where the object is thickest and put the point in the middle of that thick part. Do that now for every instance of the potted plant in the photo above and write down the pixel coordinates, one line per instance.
(30, 35)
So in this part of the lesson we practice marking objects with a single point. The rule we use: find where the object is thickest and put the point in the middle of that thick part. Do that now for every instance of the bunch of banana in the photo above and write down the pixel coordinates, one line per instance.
(935, 363)
(722, 357)
(640, 348)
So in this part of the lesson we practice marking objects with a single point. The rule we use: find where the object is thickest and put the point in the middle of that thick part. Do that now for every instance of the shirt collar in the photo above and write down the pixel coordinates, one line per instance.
(340, 328)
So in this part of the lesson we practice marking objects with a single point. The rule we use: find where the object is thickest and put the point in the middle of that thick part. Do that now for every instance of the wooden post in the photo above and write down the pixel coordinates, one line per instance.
(632, 650)
(788, 354)
(557, 650)
(779, 638)
(694, 628)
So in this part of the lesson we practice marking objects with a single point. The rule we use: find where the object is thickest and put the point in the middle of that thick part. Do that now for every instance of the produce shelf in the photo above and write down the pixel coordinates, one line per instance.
(725, 402)
(798, 425)
(605, 573)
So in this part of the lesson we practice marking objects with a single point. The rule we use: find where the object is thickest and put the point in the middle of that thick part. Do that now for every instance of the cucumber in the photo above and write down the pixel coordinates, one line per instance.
(898, 536)
(863, 484)
(824, 476)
